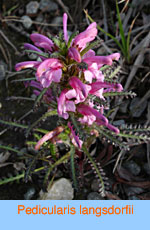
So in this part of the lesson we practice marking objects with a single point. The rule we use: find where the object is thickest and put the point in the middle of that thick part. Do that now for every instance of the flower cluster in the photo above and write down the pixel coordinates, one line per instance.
(72, 67)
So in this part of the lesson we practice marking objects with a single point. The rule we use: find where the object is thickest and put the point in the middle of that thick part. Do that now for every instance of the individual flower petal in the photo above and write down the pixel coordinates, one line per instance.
(88, 76)
(71, 94)
(75, 139)
(80, 88)
(78, 85)
(100, 60)
(99, 85)
(109, 126)
(99, 93)
(70, 106)
(113, 128)
(50, 63)
(88, 119)
(27, 64)
(49, 76)
(31, 47)
(93, 72)
(73, 53)
(65, 17)
(65, 105)
(28, 46)
(49, 136)
(87, 110)
(57, 75)
(114, 56)
(87, 36)
(46, 79)
(42, 41)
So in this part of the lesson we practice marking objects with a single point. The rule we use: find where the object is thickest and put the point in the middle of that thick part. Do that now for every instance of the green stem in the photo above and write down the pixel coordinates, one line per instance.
(132, 136)
(60, 161)
(11, 179)
(23, 126)
(40, 96)
(36, 52)
(9, 149)
(72, 154)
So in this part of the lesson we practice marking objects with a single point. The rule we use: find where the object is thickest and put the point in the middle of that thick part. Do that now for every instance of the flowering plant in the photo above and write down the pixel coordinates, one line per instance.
(71, 82)
(76, 75)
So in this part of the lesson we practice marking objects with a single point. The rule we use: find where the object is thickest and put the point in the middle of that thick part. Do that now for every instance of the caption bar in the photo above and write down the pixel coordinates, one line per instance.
(82, 210)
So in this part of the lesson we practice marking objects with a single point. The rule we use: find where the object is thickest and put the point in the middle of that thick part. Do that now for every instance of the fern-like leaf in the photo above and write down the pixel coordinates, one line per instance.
(135, 128)
(97, 101)
(112, 71)
(14, 124)
(103, 175)
(53, 150)
(31, 166)
(22, 126)
(119, 94)
(111, 138)
(135, 138)
(51, 167)
(11, 178)
(97, 170)
(72, 155)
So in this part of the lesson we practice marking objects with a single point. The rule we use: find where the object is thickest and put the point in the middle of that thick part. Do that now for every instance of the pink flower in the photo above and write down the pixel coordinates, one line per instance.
(99, 60)
(48, 71)
(83, 38)
(49, 136)
(73, 53)
(65, 105)
(109, 126)
(90, 115)
(114, 56)
(31, 47)
(80, 91)
(113, 128)
(27, 64)
(28, 46)
(96, 86)
(75, 139)
(87, 119)
(42, 41)
(93, 73)
(65, 17)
